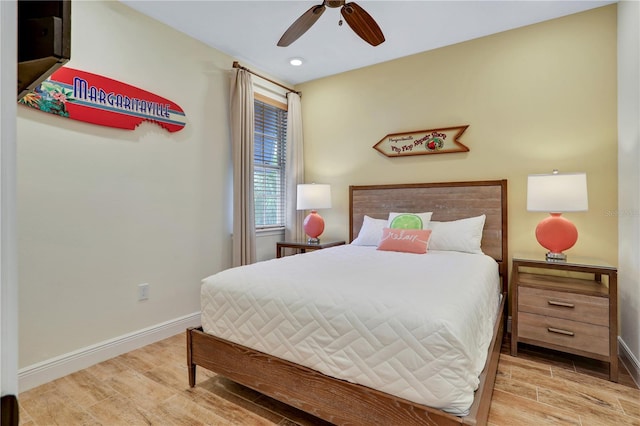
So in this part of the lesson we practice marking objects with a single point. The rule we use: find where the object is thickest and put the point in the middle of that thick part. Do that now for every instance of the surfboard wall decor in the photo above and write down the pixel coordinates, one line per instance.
(95, 99)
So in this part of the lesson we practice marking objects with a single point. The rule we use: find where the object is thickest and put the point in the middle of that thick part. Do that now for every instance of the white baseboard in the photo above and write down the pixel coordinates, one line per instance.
(629, 361)
(60, 366)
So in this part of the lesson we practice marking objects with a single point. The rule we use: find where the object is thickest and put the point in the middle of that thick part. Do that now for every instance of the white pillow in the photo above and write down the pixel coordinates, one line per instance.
(370, 232)
(409, 220)
(463, 235)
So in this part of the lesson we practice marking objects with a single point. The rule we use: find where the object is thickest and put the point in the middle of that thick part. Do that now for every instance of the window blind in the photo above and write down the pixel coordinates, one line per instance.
(269, 164)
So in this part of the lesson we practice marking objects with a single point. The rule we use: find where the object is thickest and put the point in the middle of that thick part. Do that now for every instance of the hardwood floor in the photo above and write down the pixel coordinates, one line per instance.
(149, 386)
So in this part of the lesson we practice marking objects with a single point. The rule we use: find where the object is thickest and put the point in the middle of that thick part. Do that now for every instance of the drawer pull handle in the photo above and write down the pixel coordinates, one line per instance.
(562, 304)
(560, 331)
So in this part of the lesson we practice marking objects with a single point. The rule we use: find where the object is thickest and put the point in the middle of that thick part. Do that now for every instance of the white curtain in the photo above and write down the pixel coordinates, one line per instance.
(293, 230)
(242, 127)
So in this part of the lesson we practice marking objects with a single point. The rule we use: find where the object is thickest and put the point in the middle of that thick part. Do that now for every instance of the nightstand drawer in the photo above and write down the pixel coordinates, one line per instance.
(561, 332)
(577, 307)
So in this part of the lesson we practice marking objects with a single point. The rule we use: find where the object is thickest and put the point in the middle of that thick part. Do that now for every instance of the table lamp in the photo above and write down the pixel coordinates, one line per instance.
(557, 193)
(313, 197)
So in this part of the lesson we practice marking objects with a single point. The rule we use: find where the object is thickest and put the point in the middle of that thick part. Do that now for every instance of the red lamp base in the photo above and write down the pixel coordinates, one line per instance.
(556, 234)
(313, 226)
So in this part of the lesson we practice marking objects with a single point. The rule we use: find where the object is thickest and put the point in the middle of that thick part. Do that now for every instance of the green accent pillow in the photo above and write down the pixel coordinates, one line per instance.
(406, 221)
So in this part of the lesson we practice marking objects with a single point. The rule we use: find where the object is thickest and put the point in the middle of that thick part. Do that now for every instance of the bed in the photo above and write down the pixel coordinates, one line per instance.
(327, 381)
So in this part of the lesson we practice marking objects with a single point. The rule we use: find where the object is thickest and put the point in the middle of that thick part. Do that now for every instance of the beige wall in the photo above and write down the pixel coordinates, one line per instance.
(536, 98)
(101, 210)
(629, 177)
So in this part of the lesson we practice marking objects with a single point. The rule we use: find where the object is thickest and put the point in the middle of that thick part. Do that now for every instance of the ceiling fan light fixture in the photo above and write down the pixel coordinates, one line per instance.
(296, 62)
(334, 3)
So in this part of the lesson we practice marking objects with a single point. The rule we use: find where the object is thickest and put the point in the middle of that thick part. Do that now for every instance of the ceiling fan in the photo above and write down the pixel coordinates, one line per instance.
(358, 19)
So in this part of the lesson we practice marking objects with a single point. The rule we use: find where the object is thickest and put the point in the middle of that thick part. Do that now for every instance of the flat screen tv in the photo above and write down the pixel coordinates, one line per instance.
(44, 41)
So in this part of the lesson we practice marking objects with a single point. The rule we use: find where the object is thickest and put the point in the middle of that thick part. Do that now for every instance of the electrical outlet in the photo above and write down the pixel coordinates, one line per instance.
(143, 291)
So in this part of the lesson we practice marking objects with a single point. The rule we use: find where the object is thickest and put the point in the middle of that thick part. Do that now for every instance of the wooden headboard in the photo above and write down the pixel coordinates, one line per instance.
(447, 201)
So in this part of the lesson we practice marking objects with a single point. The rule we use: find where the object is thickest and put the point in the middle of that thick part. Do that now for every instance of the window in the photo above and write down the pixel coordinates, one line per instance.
(269, 162)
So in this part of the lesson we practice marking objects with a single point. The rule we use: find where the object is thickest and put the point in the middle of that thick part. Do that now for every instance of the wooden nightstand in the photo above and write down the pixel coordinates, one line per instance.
(304, 246)
(577, 315)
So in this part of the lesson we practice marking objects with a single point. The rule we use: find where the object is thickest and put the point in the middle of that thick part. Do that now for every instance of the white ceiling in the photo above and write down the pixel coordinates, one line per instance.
(249, 30)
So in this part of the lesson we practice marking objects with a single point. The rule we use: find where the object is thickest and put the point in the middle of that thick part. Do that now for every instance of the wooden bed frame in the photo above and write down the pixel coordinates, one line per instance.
(341, 402)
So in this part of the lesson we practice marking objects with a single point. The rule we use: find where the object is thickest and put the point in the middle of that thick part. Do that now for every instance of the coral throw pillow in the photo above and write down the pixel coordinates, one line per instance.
(405, 240)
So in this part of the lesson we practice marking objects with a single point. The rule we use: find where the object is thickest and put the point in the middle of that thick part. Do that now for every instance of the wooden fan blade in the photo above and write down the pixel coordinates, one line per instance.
(362, 24)
(301, 25)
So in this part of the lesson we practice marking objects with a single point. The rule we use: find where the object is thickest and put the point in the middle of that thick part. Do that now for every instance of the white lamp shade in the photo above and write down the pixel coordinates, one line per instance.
(313, 196)
(557, 193)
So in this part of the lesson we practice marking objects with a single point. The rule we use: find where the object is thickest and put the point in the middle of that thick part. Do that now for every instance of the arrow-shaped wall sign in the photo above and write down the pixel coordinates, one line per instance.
(422, 142)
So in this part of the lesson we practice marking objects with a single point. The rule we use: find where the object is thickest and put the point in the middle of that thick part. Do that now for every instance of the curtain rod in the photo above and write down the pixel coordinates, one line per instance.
(237, 65)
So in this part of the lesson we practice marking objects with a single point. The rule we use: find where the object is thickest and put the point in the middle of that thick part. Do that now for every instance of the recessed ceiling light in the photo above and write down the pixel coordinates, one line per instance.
(296, 62)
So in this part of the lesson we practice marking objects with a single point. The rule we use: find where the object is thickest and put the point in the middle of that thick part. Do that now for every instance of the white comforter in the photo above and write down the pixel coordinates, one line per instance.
(413, 325)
